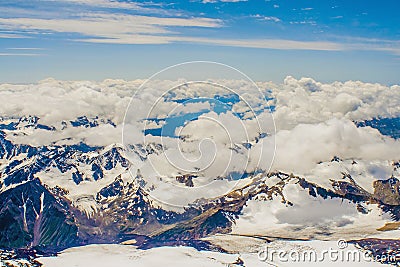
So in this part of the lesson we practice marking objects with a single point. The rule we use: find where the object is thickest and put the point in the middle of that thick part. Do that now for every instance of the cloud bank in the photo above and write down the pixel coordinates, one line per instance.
(314, 121)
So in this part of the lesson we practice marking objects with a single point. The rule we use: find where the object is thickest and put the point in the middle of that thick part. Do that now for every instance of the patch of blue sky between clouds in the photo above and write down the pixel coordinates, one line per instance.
(219, 104)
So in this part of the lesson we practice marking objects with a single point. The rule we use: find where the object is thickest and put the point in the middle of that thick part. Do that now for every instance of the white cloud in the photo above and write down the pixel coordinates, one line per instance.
(107, 25)
(224, 1)
(303, 22)
(121, 27)
(266, 18)
(279, 44)
(308, 216)
(12, 36)
(24, 48)
(275, 19)
(105, 3)
(54, 101)
(269, 43)
(19, 55)
(141, 29)
(308, 101)
(263, 44)
(303, 147)
(313, 120)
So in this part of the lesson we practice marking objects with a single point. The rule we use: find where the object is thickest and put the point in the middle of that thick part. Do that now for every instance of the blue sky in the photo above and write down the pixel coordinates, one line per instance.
(268, 40)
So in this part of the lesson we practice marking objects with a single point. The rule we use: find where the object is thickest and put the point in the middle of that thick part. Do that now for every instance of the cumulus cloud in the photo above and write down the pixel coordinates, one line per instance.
(302, 148)
(314, 121)
(308, 101)
(54, 101)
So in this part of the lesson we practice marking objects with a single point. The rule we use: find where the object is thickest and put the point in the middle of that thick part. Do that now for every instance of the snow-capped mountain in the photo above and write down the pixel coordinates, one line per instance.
(66, 183)
(44, 206)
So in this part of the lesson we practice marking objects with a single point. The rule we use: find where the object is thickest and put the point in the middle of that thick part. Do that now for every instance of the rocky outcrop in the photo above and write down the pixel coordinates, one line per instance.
(30, 216)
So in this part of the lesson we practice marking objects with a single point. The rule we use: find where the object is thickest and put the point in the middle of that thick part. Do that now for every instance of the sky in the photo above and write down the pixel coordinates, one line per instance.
(266, 39)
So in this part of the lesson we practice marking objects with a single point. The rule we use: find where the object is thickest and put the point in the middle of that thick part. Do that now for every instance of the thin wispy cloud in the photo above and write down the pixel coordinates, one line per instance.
(223, 1)
(108, 25)
(144, 8)
(304, 22)
(12, 36)
(370, 44)
(274, 19)
(133, 29)
(104, 3)
(80, 24)
(24, 48)
(266, 18)
(277, 44)
(124, 28)
(19, 55)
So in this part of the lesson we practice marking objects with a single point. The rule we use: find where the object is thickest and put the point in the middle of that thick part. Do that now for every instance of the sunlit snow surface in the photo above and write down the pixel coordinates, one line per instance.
(121, 255)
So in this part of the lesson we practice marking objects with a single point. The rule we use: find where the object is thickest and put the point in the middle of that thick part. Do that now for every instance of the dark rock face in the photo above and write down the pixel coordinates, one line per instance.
(207, 223)
(30, 216)
(388, 191)
(385, 251)
(186, 179)
(112, 190)
(20, 257)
